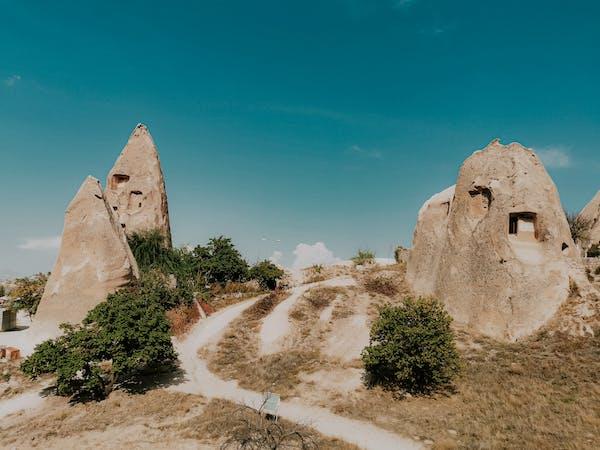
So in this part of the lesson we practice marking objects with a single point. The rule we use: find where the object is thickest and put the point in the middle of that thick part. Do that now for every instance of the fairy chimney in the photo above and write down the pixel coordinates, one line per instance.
(94, 260)
(135, 187)
(504, 262)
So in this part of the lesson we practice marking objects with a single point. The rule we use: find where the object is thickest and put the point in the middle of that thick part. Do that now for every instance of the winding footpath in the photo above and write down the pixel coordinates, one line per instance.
(202, 381)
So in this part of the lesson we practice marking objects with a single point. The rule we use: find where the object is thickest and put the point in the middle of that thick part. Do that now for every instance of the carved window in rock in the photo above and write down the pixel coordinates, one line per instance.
(523, 226)
(118, 179)
(135, 200)
(479, 202)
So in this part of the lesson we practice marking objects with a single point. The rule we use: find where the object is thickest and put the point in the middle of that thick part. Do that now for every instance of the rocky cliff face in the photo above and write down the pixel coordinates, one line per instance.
(135, 186)
(94, 260)
(502, 266)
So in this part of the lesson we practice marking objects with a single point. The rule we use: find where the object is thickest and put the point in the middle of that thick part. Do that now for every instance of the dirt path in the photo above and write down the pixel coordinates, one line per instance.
(201, 380)
(276, 326)
(27, 401)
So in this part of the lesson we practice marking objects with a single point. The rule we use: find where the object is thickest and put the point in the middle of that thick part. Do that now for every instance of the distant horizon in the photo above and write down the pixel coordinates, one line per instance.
(285, 126)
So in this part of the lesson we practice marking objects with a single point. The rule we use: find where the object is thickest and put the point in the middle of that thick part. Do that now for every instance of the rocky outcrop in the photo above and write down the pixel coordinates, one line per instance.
(428, 240)
(502, 266)
(135, 186)
(94, 260)
(591, 213)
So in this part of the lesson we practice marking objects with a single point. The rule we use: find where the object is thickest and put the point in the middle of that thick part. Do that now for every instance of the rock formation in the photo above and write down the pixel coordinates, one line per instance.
(591, 212)
(502, 265)
(94, 260)
(135, 187)
(428, 240)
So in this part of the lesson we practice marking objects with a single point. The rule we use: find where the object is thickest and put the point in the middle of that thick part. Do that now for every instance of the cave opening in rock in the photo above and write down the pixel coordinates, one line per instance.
(523, 225)
(480, 201)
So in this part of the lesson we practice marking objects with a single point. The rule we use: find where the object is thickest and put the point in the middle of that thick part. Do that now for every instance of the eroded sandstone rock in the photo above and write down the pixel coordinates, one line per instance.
(502, 266)
(94, 260)
(135, 186)
(591, 212)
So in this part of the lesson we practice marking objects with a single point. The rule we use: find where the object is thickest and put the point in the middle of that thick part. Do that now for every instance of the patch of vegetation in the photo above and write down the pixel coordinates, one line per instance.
(2, 290)
(267, 274)
(119, 340)
(220, 262)
(381, 285)
(412, 347)
(579, 226)
(594, 251)
(364, 257)
(182, 318)
(28, 292)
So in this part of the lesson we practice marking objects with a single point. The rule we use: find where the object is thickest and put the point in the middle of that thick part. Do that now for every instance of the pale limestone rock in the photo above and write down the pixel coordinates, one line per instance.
(428, 240)
(135, 186)
(503, 266)
(591, 212)
(94, 260)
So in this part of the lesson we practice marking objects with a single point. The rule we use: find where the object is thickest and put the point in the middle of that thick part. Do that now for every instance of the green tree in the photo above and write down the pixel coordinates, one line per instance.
(28, 292)
(219, 261)
(412, 347)
(120, 339)
(266, 273)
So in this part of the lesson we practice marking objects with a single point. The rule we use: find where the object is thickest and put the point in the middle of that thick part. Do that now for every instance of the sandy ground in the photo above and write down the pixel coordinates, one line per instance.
(349, 335)
(23, 402)
(201, 380)
(277, 325)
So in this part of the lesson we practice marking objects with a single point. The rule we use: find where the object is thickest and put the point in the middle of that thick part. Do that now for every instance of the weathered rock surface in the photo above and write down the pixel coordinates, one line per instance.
(428, 240)
(135, 186)
(94, 260)
(591, 212)
(502, 266)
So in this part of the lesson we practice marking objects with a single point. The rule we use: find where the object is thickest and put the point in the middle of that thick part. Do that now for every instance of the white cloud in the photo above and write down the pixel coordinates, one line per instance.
(12, 80)
(365, 153)
(555, 158)
(36, 244)
(309, 255)
(275, 258)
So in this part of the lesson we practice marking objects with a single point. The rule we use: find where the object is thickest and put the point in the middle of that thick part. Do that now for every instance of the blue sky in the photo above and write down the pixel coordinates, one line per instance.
(295, 121)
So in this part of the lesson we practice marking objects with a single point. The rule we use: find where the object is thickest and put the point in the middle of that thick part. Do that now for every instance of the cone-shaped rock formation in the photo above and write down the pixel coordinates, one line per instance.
(94, 260)
(135, 187)
(503, 264)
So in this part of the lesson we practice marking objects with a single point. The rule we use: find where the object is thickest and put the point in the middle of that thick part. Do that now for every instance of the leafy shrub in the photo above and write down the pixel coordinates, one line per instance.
(154, 285)
(412, 347)
(220, 262)
(364, 257)
(150, 250)
(28, 292)
(120, 339)
(182, 318)
(266, 273)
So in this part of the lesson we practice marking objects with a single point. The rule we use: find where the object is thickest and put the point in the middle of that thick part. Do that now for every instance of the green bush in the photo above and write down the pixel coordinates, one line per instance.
(412, 347)
(267, 274)
(28, 292)
(220, 262)
(120, 339)
(364, 257)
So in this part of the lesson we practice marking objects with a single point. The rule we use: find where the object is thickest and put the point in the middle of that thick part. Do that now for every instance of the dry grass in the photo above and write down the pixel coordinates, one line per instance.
(182, 319)
(162, 418)
(237, 356)
(543, 393)
(380, 285)
(222, 420)
(155, 411)
(13, 381)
